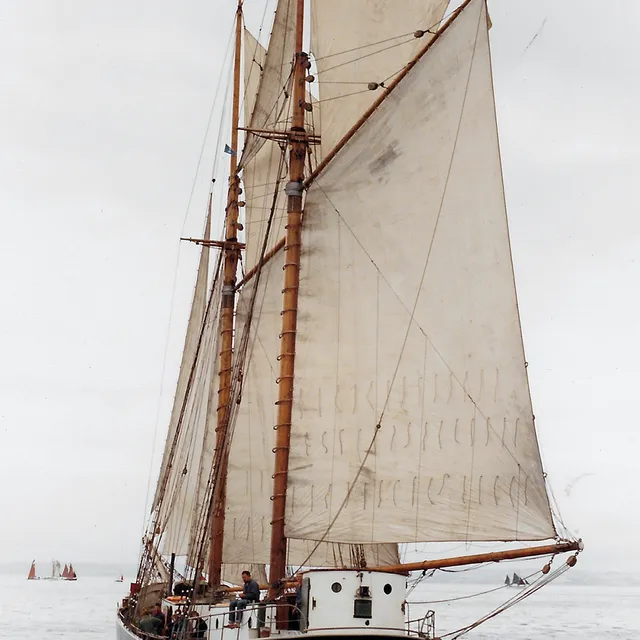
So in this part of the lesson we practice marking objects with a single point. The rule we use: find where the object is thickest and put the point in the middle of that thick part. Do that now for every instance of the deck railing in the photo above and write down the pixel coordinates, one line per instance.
(255, 616)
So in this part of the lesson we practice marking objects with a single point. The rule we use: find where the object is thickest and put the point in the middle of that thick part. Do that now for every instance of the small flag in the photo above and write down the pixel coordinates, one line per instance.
(229, 150)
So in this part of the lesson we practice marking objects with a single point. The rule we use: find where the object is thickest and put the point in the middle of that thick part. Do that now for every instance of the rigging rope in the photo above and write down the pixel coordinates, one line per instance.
(146, 518)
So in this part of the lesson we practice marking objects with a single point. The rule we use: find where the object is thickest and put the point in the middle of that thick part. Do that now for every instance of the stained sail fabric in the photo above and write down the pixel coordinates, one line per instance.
(249, 484)
(370, 42)
(188, 355)
(412, 418)
(262, 171)
(272, 94)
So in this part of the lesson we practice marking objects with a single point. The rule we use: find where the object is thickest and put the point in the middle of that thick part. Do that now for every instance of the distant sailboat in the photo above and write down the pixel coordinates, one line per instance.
(507, 581)
(55, 571)
(65, 572)
(516, 581)
(120, 579)
(32, 572)
(71, 575)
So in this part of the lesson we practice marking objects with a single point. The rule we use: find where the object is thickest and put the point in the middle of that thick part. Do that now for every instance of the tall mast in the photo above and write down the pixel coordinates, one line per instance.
(294, 188)
(231, 255)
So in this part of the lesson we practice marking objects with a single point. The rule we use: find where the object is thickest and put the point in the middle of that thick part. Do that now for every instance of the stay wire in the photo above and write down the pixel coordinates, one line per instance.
(147, 515)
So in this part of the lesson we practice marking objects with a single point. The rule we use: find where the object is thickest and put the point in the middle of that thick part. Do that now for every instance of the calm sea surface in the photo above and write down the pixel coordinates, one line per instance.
(85, 610)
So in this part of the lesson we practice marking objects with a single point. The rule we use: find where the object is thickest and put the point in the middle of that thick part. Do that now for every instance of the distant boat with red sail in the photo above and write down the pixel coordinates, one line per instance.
(71, 573)
(32, 572)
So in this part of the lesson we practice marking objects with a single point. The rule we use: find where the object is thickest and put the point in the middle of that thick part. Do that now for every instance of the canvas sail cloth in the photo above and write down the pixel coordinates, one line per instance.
(271, 97)
(196, 316)
(408, 320)
(263, 169)
(371, 41)
(249, 486)
(180, 509)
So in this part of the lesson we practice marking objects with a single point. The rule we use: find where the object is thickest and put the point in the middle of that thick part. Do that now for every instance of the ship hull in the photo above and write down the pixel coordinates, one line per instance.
(122, 633)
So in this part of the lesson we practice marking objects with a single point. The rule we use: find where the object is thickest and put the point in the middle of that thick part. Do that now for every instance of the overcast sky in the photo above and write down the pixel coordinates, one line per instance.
(103, 115)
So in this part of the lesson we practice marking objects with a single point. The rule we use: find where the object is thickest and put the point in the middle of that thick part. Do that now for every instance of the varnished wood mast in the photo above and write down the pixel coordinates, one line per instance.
(294, 188)
(232, 253)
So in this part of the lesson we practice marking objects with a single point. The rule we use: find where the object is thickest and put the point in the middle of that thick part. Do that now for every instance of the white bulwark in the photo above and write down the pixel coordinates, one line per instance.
(333, 603)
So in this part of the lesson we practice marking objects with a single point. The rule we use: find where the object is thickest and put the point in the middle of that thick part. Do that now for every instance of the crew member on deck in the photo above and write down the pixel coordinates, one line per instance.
(250, 594)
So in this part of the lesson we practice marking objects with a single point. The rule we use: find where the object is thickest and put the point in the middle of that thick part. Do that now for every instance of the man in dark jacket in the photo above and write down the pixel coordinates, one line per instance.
(250, 594)
(156, 612)
(199, 626)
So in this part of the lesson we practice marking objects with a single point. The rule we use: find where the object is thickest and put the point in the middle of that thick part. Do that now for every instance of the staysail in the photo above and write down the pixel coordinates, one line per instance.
(262, 170)
(182, 509)
(188, 355)
(272, 94)
(412, 418)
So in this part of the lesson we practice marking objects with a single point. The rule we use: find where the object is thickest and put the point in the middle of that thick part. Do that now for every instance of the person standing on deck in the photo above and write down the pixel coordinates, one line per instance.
(250, 594)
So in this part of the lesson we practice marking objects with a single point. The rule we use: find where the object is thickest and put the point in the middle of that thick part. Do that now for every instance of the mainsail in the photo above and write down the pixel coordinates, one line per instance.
(32, 571)
(413, 420)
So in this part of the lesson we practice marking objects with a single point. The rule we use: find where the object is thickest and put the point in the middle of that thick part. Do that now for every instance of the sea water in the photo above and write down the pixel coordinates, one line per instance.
(86, 610)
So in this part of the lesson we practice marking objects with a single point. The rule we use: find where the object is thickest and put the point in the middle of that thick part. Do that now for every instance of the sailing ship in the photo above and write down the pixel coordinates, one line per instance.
(71, 573)
(32, 572)
(360, 385)
(516, 581)
(55, 571)
(120, 579)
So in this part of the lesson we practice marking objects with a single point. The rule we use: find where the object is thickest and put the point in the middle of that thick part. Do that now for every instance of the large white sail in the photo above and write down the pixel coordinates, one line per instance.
(249, 487)
(206, 474)
(412, 418)
(194, 325)
(371, 41)
(180, 511)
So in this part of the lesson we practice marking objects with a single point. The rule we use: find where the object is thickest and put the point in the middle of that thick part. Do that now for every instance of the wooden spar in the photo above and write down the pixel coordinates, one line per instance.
(220, 244)
(480, 558)
(293, 239)
(231, 256)
(392, 85)
(460, 561)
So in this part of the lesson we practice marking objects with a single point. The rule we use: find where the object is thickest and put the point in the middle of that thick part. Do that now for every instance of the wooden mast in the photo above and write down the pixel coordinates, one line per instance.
(294, 189)
(231, 256)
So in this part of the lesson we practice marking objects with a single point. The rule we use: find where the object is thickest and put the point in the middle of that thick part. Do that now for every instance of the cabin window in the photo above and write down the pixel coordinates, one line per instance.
(387, 588)
(336, 587)
(362, 608)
